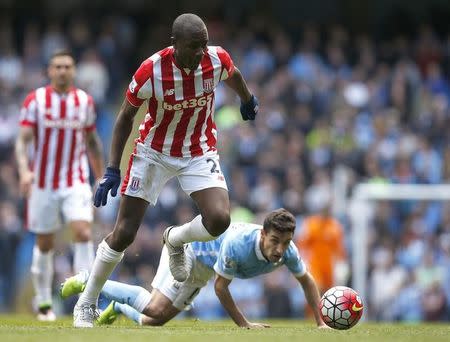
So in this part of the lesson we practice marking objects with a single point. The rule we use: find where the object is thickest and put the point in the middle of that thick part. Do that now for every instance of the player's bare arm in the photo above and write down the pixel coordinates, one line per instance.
(312, 296)
(26, 135)
(121, 132)
(94, 149)
(237, 83)
(249, 102)
(221, 286)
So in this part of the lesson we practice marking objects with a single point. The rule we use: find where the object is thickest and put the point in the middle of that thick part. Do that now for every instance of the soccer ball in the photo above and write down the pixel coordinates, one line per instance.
(341, 307)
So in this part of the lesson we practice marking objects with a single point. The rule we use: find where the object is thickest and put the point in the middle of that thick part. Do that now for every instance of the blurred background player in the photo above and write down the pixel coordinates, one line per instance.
(322, 243)
(177, 138)
(60, 120)
(244, 251)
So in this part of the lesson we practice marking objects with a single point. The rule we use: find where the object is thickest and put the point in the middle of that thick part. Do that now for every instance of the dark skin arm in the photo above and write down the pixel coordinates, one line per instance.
(94, 149)
(121, 132)
(237, 83)
(223, 293)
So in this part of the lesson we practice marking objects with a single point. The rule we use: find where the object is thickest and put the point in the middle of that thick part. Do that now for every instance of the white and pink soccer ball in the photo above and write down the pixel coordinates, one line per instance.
(341, 307)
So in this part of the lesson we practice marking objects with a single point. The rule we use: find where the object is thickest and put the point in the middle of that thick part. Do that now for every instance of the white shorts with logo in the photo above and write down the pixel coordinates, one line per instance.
(181, 294)
(150, 170)
(48, 208)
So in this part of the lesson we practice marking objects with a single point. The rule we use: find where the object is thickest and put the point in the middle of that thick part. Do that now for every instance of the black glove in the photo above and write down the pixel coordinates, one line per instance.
(250, 109)
(110, 181)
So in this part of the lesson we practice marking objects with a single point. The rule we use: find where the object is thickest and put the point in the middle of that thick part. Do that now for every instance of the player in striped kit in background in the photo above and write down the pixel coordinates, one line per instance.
(60, 120)
(177, 138)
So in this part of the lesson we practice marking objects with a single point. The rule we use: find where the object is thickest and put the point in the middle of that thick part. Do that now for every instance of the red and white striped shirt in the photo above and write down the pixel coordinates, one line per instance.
(60, 122)
(180, 115)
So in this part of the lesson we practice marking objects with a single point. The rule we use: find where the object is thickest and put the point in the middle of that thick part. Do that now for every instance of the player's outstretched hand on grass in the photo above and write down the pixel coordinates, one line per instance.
(110, 181)
(251, 325)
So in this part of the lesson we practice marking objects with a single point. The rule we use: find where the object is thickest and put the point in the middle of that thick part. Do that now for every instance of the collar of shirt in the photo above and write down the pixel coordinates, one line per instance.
(61, 93)
(258, 251)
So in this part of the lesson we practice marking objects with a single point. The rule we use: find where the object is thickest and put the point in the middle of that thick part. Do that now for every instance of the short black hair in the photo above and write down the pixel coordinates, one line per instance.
(186, 22)
(61, 52)
(280, 220)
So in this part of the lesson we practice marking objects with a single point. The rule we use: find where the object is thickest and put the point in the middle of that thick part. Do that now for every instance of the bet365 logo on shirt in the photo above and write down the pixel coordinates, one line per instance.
(191, 103)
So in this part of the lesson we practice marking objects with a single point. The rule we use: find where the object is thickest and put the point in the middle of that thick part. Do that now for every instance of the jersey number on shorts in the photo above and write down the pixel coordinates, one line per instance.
(214, 168)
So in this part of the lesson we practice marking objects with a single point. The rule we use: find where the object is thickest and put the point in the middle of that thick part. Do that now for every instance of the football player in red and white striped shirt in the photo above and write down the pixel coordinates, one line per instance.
(176, 139)
(60, 120)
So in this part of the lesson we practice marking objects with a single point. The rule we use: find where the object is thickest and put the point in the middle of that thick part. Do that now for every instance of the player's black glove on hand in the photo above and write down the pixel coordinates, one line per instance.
(250, 109)
(110, 181)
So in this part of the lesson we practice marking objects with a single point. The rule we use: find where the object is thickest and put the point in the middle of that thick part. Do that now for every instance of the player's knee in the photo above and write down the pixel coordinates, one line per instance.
(218, 222)
(159, 323)
(156, 313)
(81, 230)
(45, 243)
(45, 247)
(83, 234)
(152, 322)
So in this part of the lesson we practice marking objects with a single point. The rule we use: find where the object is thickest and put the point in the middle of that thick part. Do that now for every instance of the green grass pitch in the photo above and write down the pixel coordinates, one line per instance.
(16, 328)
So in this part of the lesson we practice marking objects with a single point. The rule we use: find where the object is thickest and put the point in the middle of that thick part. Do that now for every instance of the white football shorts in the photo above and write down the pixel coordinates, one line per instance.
(181, 294)
(149, 171)
(48, 208)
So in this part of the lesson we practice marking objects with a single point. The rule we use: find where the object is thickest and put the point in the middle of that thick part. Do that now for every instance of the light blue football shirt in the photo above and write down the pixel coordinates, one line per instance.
(237, 253)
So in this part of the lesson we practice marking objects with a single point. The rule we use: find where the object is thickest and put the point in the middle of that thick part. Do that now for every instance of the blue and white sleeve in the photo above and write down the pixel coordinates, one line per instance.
(226, 264)
(293, 261)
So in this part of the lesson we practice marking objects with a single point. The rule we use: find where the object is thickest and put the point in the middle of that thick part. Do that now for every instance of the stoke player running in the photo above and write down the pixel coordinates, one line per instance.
(177, 138)
(243, 251)
(60, 120)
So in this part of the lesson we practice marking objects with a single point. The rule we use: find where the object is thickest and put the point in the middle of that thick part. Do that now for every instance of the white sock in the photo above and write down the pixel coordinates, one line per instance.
(42, 276)
(188, 232)
(83, 256)
(105, 262)
(142, 300)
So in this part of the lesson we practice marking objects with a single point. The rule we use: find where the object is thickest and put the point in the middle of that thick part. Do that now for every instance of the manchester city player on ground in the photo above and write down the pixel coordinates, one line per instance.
(243, 251)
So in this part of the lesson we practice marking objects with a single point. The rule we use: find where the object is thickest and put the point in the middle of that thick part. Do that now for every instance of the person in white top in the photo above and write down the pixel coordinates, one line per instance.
(60, 120)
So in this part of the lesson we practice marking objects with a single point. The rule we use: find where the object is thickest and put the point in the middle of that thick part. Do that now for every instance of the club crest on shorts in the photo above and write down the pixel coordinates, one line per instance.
(134, 184)
(208, 85)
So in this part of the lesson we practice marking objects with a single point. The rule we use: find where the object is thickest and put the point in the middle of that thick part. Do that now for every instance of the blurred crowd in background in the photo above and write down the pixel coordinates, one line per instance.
(377, 108)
